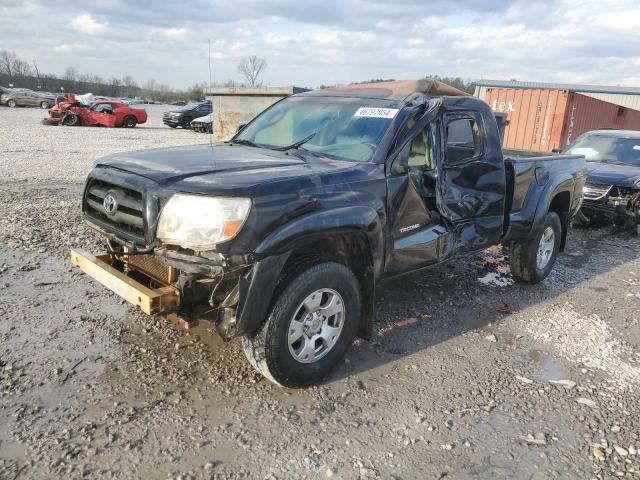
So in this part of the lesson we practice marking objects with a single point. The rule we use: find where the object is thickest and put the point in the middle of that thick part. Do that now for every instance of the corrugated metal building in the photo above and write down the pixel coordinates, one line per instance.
(544, 116)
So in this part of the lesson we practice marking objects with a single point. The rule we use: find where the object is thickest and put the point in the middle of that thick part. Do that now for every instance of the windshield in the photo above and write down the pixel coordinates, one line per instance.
(608, 149)
(349, 128)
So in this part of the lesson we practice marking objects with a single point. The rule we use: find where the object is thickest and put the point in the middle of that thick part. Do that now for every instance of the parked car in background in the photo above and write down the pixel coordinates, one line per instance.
(203, 124)
(179, 103)
(287, 229)
(3, 91)
(612, 191)
(182, 117)
(27, 98)
(105, 113)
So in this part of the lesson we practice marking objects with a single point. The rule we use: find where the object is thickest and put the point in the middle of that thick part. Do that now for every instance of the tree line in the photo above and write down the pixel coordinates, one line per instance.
(20, 73)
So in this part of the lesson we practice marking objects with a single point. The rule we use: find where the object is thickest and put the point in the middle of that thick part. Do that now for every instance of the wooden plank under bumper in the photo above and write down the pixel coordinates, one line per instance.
(150, 300)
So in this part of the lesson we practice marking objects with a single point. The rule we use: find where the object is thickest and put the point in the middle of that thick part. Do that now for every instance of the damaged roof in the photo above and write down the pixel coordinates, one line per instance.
(397, 90)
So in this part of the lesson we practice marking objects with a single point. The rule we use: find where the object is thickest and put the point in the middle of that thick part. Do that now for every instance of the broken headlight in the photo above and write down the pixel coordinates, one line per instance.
(199, 222)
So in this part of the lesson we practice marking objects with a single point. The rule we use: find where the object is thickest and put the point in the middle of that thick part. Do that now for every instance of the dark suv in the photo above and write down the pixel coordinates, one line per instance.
(182, 117)
(612, 191)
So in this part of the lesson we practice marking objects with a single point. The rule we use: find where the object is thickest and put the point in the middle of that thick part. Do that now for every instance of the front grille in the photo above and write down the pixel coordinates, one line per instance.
(595, 191)
(128, 215)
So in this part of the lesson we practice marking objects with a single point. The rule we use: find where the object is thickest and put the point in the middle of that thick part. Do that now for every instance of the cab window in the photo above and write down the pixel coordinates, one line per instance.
(463, 139)
(103, 108)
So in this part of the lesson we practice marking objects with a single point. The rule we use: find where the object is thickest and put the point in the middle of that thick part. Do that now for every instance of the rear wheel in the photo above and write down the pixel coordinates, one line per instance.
(310, 327)
(44, 105)
(531, 261)
(129, 121)
(11, 103)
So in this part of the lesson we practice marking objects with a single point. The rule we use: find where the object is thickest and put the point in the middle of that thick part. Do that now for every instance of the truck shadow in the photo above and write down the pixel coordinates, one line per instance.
(418, 311)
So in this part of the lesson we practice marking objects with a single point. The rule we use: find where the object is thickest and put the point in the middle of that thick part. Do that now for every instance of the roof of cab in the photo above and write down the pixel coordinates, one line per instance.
(396, 90)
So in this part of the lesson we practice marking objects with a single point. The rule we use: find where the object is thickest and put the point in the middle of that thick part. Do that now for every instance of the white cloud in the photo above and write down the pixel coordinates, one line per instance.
(86, 24)
(69, 47)
(174, 33)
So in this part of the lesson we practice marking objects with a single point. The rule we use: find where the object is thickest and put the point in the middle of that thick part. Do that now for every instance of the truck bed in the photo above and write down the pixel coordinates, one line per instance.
(528, 178)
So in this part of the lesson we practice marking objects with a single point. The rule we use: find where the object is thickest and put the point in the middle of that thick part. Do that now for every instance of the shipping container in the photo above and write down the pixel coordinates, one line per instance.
(543, 119)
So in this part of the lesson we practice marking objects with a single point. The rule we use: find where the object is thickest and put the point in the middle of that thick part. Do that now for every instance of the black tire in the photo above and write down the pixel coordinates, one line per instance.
(173, 126)
(186, 124)
(268, 349)
(523, 256)
(71, 120)
(129, 121)
(44, 105)
(12, 103)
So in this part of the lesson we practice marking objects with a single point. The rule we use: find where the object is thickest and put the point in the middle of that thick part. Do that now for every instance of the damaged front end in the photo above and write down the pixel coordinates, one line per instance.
(187, 288)
(612, 203)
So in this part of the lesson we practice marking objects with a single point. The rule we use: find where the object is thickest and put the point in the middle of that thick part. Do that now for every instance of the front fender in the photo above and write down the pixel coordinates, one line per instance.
(323, 224)
(256, 291)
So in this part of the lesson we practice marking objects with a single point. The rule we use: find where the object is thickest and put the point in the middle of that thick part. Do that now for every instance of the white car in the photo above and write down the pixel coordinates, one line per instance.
(203, 124)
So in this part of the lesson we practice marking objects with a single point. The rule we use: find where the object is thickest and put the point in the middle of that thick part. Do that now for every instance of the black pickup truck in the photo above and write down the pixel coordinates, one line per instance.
(286, 230)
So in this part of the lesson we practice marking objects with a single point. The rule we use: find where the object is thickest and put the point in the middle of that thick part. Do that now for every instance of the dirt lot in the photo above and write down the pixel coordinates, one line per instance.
(449, 387)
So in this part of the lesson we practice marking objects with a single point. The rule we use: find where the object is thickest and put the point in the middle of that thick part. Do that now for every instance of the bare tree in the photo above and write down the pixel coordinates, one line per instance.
(115, 83)
(129, 83)
(7, 61)
(21, 68)
(70, 74)
(36, 72)
(251, 67)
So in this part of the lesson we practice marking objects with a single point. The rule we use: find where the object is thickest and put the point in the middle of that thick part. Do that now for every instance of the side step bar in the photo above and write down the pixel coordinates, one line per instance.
(150, 300)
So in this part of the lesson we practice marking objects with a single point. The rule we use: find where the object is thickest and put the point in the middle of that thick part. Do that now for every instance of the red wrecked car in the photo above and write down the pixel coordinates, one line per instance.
(107, 113)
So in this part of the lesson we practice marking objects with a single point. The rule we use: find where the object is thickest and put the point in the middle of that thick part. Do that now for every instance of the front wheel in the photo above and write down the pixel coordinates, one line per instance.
(44, 105)
(531, 261)
(11, 103)
(71, 120)
(310, 327)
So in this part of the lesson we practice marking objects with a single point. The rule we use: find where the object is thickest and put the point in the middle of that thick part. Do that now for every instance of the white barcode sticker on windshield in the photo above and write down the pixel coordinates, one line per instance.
(376, 112)
(636, 147)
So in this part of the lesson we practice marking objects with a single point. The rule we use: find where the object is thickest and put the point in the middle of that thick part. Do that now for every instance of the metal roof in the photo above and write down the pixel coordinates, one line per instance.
(573, 87)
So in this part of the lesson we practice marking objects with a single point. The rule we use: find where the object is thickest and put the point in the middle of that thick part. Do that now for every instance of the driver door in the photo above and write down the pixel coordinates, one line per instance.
(417, 235)
(102, 114)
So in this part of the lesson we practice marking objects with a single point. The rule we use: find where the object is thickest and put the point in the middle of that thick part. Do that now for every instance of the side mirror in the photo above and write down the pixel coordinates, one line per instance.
(556, 150)
(240, 128)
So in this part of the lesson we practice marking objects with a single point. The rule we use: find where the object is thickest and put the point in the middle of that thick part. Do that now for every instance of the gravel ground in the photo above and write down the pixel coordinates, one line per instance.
(454, 383)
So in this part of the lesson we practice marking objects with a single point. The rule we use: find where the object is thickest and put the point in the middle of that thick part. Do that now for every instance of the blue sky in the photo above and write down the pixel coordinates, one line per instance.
(329, 42)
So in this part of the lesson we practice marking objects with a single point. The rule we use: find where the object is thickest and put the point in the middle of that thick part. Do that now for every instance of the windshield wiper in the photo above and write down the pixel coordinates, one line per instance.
(245, 142)
(299, 143)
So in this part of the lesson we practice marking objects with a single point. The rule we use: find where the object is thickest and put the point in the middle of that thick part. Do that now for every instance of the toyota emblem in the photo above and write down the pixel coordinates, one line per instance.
(110, 204)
